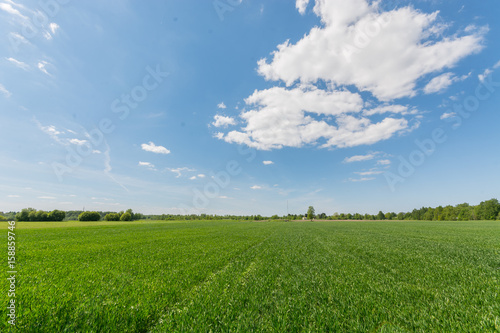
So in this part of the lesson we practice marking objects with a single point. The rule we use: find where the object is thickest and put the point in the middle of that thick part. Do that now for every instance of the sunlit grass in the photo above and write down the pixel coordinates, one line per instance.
(267, 276)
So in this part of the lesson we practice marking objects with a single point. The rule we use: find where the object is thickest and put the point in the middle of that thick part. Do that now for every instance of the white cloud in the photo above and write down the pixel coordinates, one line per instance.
(407, 47)
(78, 142)
(326, 71)
(221, 105)
(46, 198)
(267, 162)
(280, 119)
(4, 91)
(13, 196)
(442, 82)
(301, 6)
(147, 165)
(53, 27)
(201, 175)
(151, 147)
(360, 158)
(41, 66)
(383, 162)
(223, 197)
(447, 115)
(485, 74)
(193, 178)
(95, 151)
(488, 72)
(19, 64)
(11, 10)
(364, 179)
(178, 171)
(222, 121)
(256, 187)
(369, 173)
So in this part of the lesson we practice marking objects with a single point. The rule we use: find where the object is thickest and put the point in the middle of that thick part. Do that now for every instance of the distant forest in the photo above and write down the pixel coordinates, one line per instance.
(486, 210)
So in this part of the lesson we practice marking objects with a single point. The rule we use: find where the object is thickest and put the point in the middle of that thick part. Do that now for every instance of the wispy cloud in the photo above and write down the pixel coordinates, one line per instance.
(447, 115)
(146, 164)
(369, 173)
(13, 196)
(11, 10)
(18, 63)
(179, 171)
(267, 162)
(107, 166)
(221, 105)
(4, 91)
(151, 147)
(41, 66)
(364, 179)
(78, 142)
(383, 162)
(360, 158)
(46, 197)
(256, 187)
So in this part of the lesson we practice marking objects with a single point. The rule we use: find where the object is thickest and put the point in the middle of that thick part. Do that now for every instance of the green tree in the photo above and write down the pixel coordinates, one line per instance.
(57, 215)
(112, 217)
(132, 217)
(380, 216)
(126, 217)
(23, 215)
(89, 216)
(310, 212)
(487, 210)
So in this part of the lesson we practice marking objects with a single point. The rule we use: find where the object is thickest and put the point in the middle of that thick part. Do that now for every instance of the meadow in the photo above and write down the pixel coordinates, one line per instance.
(232, 276)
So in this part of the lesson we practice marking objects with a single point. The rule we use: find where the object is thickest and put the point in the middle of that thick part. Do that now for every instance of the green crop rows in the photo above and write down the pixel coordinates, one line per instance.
(258, 276)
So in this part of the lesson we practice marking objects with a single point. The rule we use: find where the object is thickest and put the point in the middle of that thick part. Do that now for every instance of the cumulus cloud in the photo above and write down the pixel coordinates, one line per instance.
(267, 162)
(256, 187)
(326, 71)
(301, 6)
(221, 105)
(151, 147)
(222, 121)
(404, 45)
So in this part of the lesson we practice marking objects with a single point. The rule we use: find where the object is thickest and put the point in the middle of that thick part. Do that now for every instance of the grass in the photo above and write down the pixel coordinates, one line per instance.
(267, 276)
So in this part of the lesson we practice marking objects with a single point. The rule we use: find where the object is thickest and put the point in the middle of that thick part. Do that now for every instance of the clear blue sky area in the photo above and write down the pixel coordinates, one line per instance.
(236, 107)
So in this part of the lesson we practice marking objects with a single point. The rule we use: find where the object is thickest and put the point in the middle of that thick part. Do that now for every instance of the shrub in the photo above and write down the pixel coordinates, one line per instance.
(89, 216)
(126, 217)
(112, 217)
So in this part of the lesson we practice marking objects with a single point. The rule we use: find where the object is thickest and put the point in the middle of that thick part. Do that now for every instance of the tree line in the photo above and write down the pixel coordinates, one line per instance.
(486, 210)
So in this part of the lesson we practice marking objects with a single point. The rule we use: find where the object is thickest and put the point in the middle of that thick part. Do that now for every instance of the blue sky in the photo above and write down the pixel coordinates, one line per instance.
(229, 107)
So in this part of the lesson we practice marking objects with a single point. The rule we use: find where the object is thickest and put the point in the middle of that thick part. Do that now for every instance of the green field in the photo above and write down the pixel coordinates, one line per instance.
(257, 276)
